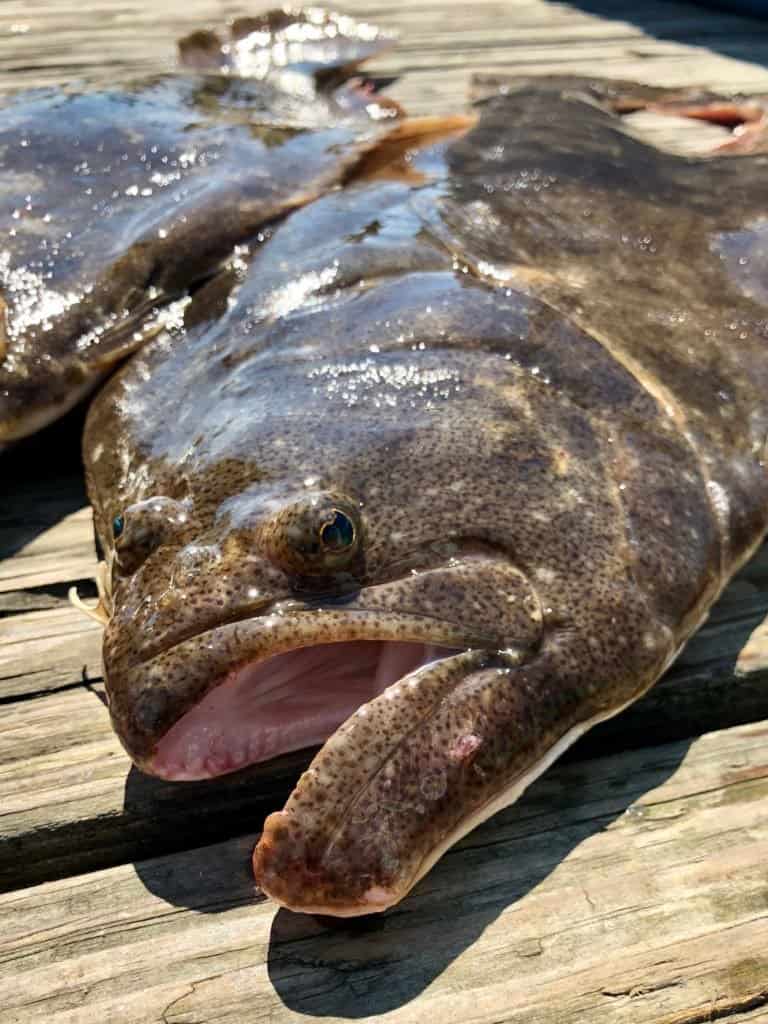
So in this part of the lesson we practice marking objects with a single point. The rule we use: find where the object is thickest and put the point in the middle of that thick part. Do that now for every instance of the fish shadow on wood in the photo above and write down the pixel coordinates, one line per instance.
(707, 24)
(172, 817)
(366, 966)
(353, 968)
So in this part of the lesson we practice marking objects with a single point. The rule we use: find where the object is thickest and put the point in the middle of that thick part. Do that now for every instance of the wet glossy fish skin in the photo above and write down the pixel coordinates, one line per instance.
(116, 201)
(478, 365)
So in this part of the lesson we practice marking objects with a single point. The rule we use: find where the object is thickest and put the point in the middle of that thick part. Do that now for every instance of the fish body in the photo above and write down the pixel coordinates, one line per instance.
(116, 202)
(453, 474)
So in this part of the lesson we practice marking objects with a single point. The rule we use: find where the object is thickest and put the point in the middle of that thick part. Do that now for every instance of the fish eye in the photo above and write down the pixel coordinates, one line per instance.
(339, 533)
(143, 527)
(318, 535)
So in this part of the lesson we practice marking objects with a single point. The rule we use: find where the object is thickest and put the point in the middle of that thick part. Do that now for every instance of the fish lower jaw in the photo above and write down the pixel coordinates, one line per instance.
(290, 701)
(282, 874)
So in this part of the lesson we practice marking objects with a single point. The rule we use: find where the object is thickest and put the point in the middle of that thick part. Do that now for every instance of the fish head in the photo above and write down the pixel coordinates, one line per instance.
(412, 553)
(254, 613)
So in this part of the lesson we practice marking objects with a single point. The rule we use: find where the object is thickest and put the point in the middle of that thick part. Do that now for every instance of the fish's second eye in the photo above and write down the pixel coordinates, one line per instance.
(145, 526)
(318, 535)
(339, 533)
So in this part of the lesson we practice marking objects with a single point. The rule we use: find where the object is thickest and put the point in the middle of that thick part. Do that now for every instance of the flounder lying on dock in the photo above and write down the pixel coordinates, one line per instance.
(453, 473)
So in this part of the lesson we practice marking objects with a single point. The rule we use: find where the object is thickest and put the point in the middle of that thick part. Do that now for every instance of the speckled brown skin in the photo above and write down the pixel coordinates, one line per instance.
(114, 202)
(540, 377)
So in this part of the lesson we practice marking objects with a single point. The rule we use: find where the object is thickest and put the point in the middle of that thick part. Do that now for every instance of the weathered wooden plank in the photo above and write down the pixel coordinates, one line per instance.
(626, 888)
(58, 41)
(57, 555)
(70, 801)
(47, 650)
(46, 532)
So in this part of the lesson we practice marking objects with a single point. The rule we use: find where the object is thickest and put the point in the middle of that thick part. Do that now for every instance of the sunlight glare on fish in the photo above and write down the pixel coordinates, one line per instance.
(292, 295)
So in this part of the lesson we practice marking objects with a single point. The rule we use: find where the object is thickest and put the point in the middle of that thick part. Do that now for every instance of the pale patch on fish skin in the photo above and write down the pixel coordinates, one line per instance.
(15, 185)
(102, 610)
(529, 278)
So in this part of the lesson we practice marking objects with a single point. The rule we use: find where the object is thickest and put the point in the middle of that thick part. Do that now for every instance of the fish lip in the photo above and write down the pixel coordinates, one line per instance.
(422, 629)
(296, 606)
(461, 638)
(351, 909)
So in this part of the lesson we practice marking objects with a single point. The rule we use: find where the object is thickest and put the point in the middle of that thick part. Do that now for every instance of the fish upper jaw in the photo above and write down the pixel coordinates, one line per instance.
(193, 680)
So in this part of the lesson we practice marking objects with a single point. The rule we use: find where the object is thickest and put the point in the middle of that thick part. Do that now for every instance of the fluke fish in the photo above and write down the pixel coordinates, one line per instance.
(438, 469)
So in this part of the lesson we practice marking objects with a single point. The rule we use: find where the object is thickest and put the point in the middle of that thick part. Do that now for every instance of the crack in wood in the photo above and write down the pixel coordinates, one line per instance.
(634, 991)
(720, 1011)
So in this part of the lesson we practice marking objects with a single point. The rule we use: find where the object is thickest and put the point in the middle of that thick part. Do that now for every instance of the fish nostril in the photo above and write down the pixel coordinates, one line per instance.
(320, 535)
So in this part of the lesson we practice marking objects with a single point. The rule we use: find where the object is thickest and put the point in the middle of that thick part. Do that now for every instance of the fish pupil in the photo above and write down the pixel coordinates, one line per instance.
(339, 533)
(117, 526)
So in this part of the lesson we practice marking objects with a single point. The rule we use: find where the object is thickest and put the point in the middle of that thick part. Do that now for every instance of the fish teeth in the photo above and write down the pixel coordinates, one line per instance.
(238, 753)
(216, 764)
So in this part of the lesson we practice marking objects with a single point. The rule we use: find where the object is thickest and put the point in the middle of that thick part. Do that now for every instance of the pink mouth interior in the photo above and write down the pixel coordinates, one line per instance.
(286, 702)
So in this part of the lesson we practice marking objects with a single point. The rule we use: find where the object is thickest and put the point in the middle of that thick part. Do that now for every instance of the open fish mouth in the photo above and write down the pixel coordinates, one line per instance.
(207, 698)
(284, 702)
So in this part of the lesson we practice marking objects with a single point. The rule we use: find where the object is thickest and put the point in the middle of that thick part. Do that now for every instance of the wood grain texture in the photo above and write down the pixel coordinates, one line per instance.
(48, 650)
(70, 800)
(441, 43)
(626, 888)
